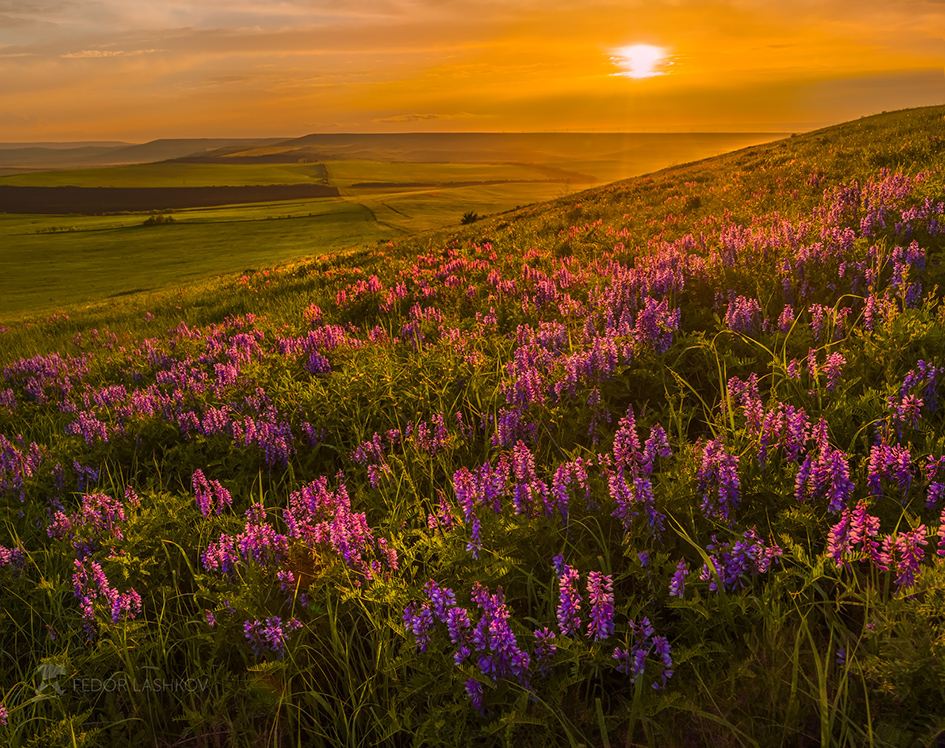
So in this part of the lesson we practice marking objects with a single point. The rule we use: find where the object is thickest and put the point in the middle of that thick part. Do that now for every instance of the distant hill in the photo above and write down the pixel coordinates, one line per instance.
(600, 157)
(167, 149)
(480, 147)
(44, 156)
(65, 146)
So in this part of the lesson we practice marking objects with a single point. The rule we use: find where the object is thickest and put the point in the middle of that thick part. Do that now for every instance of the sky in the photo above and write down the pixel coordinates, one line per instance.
(137, 71)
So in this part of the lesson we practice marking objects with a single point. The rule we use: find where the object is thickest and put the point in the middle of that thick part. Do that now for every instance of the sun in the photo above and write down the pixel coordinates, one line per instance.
(641, 61)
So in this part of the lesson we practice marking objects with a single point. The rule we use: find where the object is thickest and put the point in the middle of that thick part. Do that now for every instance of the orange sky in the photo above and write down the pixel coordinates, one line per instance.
(120, 70)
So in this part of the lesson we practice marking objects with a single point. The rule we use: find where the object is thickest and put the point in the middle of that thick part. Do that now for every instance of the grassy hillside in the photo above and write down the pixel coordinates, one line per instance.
(46, 259)
(63, 260)
(659, 463)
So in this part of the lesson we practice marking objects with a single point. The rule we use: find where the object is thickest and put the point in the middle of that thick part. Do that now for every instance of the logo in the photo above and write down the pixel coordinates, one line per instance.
(49, 673)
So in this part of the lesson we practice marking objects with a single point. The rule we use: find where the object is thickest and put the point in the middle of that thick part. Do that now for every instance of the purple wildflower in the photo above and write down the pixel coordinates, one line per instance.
(259, 541)
(904, 552)
(15, 557)
(931, 469)
(631, 485)
(90, 584)
(418, 621)
(941, 534)
(474, 689)
(744, 315)
(891, 463)
(600, 594)
(738, 560)
(458, 625)
(718, 480)
(432, 437)
(632, 661)
(527, 489)
(746, 395)
(855, 528)
(211, 496)
(656, 324)
(545, 648)
(569, 605)
(831, 368)
(442, 598)
(494, 640)
(221, 556)
(677, 587)
(443, 520)
(99, 518)
(269, 635)
(317, 515)
(826, 474)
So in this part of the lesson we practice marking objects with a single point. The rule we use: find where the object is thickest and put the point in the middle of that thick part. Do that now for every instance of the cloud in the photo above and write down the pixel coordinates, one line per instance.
(13, 119)
(224, 79)
(421, 117)
(99, 53)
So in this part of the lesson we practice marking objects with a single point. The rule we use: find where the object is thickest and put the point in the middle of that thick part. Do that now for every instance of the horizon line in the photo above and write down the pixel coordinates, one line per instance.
(119, 143)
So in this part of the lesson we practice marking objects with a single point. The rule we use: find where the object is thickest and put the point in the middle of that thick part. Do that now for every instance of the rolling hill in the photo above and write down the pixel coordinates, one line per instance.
(656, 463)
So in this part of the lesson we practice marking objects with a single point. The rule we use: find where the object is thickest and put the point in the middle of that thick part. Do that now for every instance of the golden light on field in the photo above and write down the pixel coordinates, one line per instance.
(641, 61)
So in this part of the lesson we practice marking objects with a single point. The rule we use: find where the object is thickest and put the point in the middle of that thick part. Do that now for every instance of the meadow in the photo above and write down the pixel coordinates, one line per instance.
(78, 258)
(656, 463)
(392, 186)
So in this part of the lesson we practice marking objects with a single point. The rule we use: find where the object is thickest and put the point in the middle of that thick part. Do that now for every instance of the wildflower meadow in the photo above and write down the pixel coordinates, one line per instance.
(659, 463)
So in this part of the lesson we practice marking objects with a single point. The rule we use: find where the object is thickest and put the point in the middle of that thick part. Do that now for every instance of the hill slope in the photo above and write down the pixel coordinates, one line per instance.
(659, 463)
(45, 156)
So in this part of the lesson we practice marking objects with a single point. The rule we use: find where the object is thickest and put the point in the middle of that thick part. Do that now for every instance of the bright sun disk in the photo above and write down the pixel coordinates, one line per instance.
(640, 60)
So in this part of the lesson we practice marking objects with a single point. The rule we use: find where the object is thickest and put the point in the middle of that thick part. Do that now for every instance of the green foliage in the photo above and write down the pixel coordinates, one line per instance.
(158, 219)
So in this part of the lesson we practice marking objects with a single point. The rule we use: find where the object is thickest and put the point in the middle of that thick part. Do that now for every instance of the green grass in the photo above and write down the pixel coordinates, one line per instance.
(343, 174)
(428, 209)
(112, 256)
(51, 262)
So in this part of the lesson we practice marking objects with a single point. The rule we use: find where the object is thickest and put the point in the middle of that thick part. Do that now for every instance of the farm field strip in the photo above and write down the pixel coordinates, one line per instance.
(172, 175)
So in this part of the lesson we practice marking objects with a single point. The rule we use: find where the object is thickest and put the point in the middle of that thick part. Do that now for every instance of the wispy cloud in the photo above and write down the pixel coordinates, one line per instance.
(421, 117)
(98, 53)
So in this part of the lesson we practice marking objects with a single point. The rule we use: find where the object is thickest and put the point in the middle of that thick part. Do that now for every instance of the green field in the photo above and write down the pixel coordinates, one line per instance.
(343, 174)
(49, 262)
(112, 256)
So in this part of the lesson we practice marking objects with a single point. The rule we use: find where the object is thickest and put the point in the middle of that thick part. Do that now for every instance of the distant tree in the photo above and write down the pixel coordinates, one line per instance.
(159, 219)
(468, 218)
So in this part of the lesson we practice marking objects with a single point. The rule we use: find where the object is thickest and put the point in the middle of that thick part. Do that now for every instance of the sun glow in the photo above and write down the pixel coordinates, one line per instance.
(641, 61)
